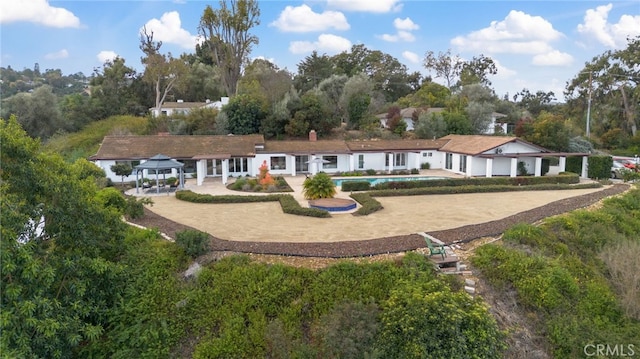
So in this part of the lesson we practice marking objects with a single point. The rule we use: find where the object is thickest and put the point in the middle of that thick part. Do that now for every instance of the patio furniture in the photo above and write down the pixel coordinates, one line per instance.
(435, 249)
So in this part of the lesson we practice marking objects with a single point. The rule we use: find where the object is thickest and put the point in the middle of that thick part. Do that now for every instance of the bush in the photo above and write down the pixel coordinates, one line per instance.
(319, 186)
(193, 242)
(600, 167)
(348, 186)
(425, 166)
(135, 207)
(291, 206)
(369, 204)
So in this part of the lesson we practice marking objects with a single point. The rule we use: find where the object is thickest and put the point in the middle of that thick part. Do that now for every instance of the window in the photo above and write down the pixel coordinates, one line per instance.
(279, 163)
(238, 165)
(189, 166)
(360, 161)
(333, 162)
(400, 160)
(448, 161)
(463, 163)
(427, 154)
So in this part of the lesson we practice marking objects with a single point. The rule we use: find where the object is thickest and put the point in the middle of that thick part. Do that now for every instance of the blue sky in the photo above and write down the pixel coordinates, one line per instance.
(538, 45)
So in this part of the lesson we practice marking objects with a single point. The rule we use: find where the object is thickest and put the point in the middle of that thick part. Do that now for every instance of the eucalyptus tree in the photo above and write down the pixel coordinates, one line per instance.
(163, 72)
(480, 105)
(445, 65)
(534, 103)
(226, 32)
(264, 80)
(606, 91)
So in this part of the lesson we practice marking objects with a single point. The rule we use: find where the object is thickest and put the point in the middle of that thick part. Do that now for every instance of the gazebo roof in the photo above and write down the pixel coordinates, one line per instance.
(159, 162)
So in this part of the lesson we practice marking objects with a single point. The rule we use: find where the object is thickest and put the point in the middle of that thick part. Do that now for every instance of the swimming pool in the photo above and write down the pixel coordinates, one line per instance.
(375, 180)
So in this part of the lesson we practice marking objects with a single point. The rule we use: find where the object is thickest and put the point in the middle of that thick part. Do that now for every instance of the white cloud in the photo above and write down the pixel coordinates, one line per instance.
(503, 71)
(403, 27)
(412, 57)
(596, 25)
(553, 58)
(169, 30)
(106, 55)
(62, 54)
(376, 6)
(326, 43)
(517, 33)
(303, 19)
(405, 24)
(37, 11)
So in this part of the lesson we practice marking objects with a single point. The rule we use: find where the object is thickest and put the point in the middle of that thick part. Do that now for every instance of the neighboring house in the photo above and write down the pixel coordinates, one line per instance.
(181, 107)
(233, 156)
(408, 114)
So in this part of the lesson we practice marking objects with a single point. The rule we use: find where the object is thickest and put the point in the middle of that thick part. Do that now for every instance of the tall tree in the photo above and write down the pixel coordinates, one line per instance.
(312, 70)
(263, 79)
(111, 89)
(226, 32)
(444, 65)
(37, 112)
(58, 279)
(244, 114)
(534, 103)
(609, 83)
(477, 70)
(164, 72)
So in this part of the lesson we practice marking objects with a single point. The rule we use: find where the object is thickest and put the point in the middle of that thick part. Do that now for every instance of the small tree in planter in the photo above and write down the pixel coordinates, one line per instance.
(319, 186)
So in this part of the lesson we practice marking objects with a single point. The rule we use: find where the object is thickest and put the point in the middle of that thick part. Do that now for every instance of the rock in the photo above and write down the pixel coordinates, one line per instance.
(469, 282)
(193, 270)
(470, 290)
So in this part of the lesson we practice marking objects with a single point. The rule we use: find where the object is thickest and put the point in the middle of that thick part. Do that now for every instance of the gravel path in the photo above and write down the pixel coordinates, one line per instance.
(388, 244)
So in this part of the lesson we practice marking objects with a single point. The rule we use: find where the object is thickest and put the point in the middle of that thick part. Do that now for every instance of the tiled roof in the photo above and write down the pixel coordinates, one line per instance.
(474, 144)
(306, 147)
(179, 147)
(394, 145)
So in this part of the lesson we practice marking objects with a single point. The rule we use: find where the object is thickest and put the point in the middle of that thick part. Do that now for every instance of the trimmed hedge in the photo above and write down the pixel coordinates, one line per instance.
(477, 189)
(349, 186)
(368, 203)
(566, 178)
(600, 167)
(287, 202)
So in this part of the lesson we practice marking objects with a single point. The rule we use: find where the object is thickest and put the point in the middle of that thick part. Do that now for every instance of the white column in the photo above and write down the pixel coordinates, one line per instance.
(201, 169)
(390, 162)
(292, 160)
(469, 160)
(585, 167)
(538, 170)
(225, 171)
(514, 167)
(352, 162)
(562, 164)
(488, 170)
(417, 160)
(314, 166)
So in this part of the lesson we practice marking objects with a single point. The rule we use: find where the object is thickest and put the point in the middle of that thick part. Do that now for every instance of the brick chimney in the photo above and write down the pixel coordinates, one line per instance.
(313, 137)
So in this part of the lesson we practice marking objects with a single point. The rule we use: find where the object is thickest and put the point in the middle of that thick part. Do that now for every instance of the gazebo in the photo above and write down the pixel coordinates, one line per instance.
(159, 163)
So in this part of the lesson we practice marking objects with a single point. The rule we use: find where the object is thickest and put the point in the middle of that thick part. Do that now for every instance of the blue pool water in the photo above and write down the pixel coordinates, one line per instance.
(375, 180)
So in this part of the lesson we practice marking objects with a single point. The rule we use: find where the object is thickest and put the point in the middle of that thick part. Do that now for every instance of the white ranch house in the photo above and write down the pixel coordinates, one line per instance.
(408, 113)
(233, 156)
(182, 108)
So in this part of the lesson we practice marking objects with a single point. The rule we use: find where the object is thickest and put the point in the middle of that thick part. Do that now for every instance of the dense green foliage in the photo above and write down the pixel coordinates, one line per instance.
(560, 277)
(193, 242)
(318, 186)
(567, 178)
(60, 243)
(236, 308)
(600, 167)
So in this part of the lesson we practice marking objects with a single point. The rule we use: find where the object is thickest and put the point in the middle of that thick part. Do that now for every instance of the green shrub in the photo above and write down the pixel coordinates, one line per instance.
(368, 204)
(600, 167)
(135, 207)
(291, 206)
(111, 197)
(319, 186)
(349, 186)
(415, 171)
(371, 172)
(193, 242)
(425, 166)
